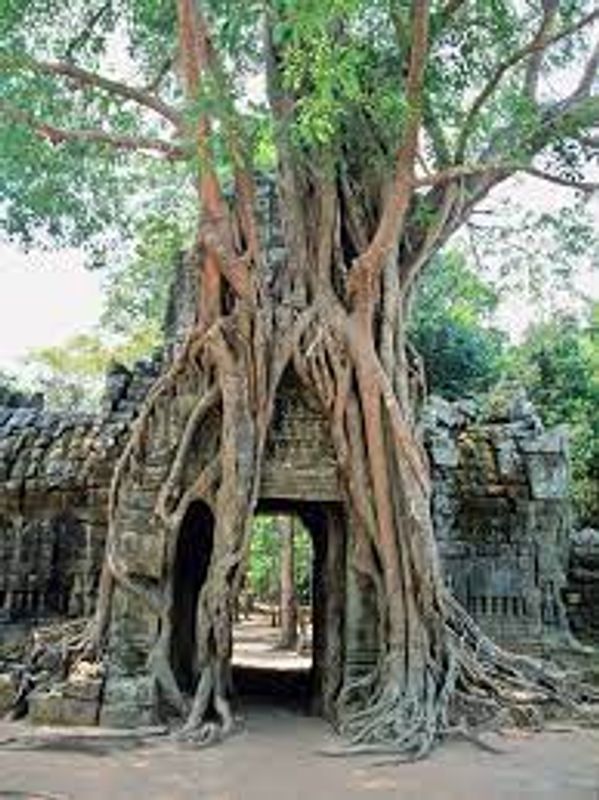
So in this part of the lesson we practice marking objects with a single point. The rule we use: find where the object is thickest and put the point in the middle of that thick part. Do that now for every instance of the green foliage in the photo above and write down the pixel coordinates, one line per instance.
(558, 363)
(450, 328)
(265, 554)
(72, 376)
(344, 61)
(137, 286)
(74, 192)
(264, 568)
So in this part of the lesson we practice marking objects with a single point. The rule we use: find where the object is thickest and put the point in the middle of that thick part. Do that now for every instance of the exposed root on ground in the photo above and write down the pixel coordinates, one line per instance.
(438, 675)
(480, 688)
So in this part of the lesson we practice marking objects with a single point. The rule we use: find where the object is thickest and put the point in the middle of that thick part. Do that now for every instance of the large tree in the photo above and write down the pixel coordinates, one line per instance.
(387, 121)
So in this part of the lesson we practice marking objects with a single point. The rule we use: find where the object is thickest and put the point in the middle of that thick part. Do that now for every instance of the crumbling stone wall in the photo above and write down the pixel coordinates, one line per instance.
(500, 503)
(500, 510)
(501, 515)
(582, 594)
(55, 472)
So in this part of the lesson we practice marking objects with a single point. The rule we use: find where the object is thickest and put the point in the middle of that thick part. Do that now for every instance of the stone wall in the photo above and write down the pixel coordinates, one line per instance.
(500, 504)
(582, 594)
(501, 516)
(55, 472)
(500, 510)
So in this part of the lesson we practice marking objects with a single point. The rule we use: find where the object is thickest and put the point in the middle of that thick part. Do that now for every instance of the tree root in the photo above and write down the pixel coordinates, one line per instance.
(438, 675)
(210, 719)
(481, 687)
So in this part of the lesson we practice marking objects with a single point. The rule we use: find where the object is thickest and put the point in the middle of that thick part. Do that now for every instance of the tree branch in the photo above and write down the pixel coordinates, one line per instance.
(589, 74)
(364, 273)
(434, 235)
(533, 69)
(216, 227)
(590, 141)
(161, 73)
(450, 8)
(87, 31)
(540, 42)
(583, 186)
(437, 136)
(85, 78)
(571, 116)
(565, 117)
(501, 169)
(56, 135)
(463, 171)
(193, 48)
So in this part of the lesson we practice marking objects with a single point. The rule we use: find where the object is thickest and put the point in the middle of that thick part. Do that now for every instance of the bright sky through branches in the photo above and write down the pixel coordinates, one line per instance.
(62, 298)
(45, 297)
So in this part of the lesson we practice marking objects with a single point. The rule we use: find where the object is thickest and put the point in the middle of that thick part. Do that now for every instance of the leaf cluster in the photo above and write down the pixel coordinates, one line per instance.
(451, 328)
(558, 363)
(264, 568)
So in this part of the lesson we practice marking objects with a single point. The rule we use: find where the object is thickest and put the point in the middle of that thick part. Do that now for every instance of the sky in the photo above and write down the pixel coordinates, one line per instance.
(517, 310)
(45, 297)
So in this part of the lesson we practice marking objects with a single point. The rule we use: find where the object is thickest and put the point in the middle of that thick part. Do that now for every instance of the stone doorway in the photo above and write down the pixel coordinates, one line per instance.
(299, 478)
(272, 633)
(313, 685)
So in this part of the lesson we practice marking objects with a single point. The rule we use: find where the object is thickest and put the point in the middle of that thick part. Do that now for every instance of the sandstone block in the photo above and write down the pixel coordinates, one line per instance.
(7, 692)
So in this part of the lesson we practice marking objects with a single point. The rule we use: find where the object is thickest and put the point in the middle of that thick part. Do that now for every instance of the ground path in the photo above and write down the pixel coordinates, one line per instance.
(276, 758)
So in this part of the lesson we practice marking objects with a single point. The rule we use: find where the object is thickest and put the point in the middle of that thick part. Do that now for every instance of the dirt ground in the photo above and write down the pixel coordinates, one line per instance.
(277, 754)
(255, 645)
(276, 757)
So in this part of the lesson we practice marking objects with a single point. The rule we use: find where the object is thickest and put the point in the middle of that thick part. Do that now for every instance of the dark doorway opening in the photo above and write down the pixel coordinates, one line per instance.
(192, 559)
(306, 676)
(272, 642)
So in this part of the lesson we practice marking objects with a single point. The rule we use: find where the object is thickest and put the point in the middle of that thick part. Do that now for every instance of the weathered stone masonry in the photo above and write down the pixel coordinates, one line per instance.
(55, 472)
(500, 503)
(500, 511)
(582, 594)
(502, 517)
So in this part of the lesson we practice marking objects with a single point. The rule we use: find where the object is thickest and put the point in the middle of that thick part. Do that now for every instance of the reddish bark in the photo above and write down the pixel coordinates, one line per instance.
(339, 322)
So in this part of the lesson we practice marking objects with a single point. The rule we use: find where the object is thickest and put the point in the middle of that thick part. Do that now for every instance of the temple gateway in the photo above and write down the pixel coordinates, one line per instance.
(500, 508)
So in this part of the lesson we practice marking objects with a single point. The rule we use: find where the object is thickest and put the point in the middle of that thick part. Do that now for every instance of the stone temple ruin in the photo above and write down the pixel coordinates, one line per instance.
(500, 510)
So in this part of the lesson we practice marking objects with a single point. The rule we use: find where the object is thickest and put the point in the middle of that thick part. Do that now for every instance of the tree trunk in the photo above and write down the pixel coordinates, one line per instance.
(434, 663)
(288, 598)
(333, 312)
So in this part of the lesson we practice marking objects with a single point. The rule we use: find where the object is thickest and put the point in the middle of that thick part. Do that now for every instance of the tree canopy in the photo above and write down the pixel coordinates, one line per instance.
(558, 362)
(387, 123)
(91, 92)
(451, 327)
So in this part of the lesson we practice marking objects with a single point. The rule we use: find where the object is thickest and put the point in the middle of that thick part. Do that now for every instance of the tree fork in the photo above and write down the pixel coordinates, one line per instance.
(336, 314)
